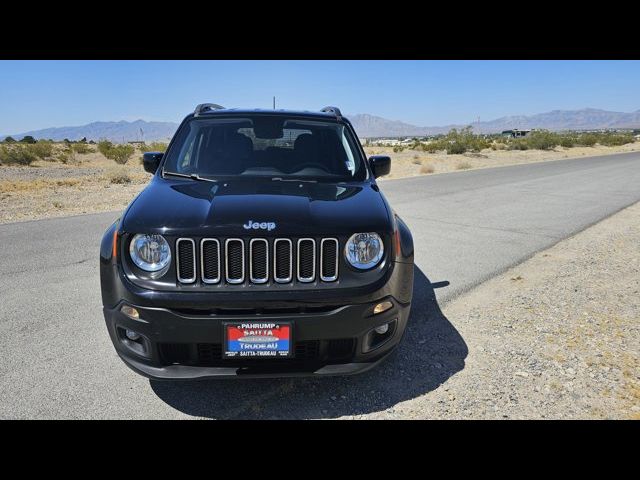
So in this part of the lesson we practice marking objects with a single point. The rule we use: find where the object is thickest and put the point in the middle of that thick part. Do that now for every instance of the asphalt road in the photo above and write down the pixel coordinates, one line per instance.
(58, 362)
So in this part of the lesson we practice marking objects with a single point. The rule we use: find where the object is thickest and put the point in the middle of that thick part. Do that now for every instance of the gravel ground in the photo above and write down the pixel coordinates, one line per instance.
(50, 189)
(47, 170)
(555, 337)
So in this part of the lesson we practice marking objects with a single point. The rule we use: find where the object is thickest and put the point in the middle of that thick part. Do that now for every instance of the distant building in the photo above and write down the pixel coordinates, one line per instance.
(515, 133)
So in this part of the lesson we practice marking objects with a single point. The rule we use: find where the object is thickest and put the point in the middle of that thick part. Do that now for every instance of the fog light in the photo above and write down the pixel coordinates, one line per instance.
(382, 329)
(130, 312)
(131, 335)
(382, 307)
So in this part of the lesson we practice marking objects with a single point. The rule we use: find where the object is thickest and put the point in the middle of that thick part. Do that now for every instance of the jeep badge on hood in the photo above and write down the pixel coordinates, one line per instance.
(259, 225)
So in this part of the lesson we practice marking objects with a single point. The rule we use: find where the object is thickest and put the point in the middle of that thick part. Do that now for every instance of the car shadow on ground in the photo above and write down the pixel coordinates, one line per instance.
(431, 352)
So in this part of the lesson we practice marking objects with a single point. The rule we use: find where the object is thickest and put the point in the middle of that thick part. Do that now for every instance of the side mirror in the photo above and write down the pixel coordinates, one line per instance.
(151, 161)
(380, 164)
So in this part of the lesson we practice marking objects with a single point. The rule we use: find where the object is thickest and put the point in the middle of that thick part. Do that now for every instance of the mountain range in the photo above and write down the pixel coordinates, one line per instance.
(367, 126)
(121, 131)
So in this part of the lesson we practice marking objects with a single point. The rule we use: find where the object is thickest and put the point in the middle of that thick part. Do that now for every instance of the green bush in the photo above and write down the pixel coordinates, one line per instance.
(464, 140)
(542, 140)
(455, 147)
(613, 140)
(568, 141)
(158, 147)
(9, 140)
(104, 146)
(433, 146)
(518, 144)
(28, 139)
(587, 140)
(43, 149)
(81, 148)
(120, 153)
(17, 155)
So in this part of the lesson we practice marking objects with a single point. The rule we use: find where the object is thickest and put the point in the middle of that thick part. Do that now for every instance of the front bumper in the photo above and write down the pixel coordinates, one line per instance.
(181, 345)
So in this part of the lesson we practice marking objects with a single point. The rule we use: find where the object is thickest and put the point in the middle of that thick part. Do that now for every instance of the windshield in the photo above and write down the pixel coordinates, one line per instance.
(265, 145)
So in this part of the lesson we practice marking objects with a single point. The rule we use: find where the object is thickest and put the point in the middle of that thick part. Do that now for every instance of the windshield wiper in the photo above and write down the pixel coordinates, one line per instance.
(280, 179)
(193, 176)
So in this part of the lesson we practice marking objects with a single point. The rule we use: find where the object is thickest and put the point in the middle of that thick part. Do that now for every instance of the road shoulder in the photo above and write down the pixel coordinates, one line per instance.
(554, 337)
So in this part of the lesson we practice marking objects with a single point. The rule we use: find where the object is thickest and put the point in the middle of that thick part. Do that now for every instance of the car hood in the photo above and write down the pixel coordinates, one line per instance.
(177, 206)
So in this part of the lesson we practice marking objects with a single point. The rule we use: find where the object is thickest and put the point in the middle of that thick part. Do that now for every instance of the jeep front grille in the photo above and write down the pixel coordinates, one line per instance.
(306, 260)
(283, 260)
(236, 261)
(328, 259)
(259, 260)
(186, 263)
(210, 260)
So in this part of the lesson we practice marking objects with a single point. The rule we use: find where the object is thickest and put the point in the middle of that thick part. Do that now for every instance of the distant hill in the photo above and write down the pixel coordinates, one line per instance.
(366, 126)
(113, 131)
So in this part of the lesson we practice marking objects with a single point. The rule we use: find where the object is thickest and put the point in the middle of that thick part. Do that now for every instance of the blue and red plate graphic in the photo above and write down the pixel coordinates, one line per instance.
(257, 339)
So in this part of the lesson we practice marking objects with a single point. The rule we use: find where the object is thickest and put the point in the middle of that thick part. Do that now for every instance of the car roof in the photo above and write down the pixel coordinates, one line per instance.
(264, 111)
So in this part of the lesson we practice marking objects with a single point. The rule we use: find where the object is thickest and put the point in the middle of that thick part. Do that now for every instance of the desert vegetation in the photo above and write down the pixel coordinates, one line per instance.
(119, 153)
(461, 149)
(461, 141)
(45, 178)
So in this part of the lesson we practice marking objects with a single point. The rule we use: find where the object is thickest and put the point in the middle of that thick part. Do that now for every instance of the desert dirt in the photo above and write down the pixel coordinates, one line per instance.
(51, 189)
(556, 337)
(409, 163)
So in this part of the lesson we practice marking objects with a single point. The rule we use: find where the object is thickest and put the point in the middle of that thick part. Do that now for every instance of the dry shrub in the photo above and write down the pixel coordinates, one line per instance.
(7, 186)
(428, 168)
(81, 148)
(17, 155)
(119, 177)
(463, 166)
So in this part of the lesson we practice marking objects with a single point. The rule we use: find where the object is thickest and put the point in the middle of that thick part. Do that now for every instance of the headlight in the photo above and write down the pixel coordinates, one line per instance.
(364, 250)
(150, 252)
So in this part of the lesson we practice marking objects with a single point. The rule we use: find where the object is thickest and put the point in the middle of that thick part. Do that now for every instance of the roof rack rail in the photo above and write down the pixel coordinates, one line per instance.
(204, 107)
(334, 110)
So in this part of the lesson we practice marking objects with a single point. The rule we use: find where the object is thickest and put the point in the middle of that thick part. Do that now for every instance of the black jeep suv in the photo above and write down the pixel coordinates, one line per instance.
(261, 247)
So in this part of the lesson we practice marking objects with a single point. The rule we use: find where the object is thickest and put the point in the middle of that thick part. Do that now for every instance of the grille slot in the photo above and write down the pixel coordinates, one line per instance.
(328, 259)
(210, 260)
(186, 260)
(259, 260)
(283, 260)
(234, 260)
(306, 260)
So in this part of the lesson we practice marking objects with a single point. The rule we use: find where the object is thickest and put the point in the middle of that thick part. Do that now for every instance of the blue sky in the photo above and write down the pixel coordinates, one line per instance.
(40, 94)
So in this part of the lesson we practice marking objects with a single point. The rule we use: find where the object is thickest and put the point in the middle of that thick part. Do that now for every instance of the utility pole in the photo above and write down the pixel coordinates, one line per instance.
(274, 102)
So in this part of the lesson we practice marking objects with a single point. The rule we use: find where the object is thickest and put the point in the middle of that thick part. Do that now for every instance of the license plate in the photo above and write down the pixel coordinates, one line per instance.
(257, 339)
